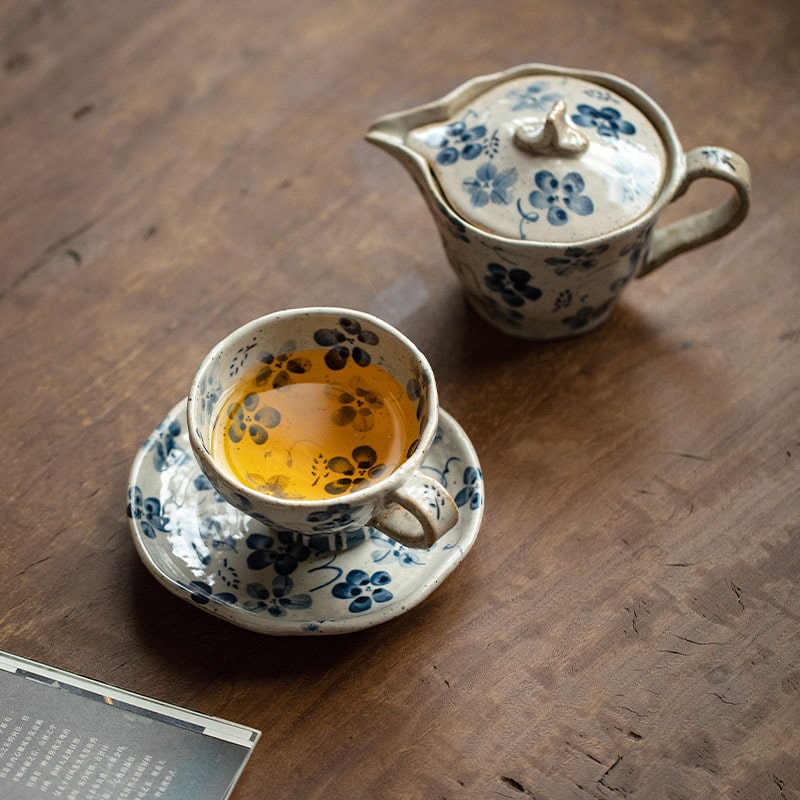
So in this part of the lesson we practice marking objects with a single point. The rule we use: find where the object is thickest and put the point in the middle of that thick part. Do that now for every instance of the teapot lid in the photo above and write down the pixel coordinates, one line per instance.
(548, 157)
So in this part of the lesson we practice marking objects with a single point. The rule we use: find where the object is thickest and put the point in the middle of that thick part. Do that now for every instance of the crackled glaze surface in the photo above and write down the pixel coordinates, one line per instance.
(342, 335)
(272, 580)
(547, 196)
(546, 184)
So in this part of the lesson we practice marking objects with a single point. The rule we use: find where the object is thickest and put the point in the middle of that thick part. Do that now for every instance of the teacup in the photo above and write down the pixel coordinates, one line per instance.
(546, 184)
(318, 421)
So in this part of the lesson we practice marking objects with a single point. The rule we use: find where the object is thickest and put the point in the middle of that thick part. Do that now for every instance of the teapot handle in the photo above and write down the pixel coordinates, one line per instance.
(697, 229)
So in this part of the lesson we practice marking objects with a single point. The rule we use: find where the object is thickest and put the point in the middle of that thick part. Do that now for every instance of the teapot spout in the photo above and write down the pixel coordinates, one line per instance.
(389, 133)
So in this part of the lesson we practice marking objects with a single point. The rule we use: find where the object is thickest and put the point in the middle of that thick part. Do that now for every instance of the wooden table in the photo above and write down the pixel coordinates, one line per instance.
(627, 623)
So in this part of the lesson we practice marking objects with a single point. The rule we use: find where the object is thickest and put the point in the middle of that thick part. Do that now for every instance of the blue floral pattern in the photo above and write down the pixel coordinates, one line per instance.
(558, 197)
(148, 511)
(278, 581)
(607, 121)
(165, 449)
(277, 601)
(203, 593)
(635, 253)
(504, 293)
(347, 340)
(283, 555)
(511, 194)
(513, 285)
(471, 493)
(457, 140)
(577, 259)
(490, 185)
(363, 589)
(534, 97)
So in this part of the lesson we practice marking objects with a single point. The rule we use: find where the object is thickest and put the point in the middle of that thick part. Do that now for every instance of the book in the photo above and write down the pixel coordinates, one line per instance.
(67, 737)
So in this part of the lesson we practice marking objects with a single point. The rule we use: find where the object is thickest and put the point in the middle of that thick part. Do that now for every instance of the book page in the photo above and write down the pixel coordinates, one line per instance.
(69, 738)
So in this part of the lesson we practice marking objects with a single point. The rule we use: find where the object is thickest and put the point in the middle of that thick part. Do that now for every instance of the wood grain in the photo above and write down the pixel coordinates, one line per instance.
(628, 622)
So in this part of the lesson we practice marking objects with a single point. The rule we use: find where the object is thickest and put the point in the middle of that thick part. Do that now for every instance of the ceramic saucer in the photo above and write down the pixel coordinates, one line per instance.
(210, 554)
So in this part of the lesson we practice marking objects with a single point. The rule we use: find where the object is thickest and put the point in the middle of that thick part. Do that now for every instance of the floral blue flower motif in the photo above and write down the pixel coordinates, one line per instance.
(634, 251)
(607, 120)
(512, 285)
(165, 450)
(586, 315)
(203, 484)
(552, 193)
(456, 141)
(637, 248)
(279, 601)
(339, 339)
(363, 589)
(563, 300)
(212, 394)
(470, 494)
(576, 259)
(202, 594)
(148, 511)
(283, 556)
(490, 185)
(533, 97)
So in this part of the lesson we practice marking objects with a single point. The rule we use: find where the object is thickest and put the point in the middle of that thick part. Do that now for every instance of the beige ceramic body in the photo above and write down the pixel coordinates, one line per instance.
(551, 289)
(407, 504)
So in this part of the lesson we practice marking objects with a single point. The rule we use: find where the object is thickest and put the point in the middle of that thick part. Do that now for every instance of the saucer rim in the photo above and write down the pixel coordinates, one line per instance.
(331, 625)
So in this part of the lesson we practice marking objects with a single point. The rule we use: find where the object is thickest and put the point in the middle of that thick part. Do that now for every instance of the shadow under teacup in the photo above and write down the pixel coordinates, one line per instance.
(318, 421)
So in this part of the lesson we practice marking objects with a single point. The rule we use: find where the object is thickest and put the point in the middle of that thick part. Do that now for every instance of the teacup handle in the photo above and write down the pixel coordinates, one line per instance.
(697, 229)
(421, 512)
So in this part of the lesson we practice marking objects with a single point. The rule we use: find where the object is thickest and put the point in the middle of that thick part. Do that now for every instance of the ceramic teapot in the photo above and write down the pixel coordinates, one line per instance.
(546, 184)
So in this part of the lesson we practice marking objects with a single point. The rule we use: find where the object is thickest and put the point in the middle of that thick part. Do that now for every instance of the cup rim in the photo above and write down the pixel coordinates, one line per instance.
(358, 497)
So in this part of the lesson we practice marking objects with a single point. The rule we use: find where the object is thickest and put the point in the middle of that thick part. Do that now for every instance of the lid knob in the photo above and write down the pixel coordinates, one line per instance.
(554, 135)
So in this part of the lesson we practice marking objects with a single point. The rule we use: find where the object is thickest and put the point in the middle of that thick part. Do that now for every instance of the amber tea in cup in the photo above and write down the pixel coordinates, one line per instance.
(318, 421)
(314, 424)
